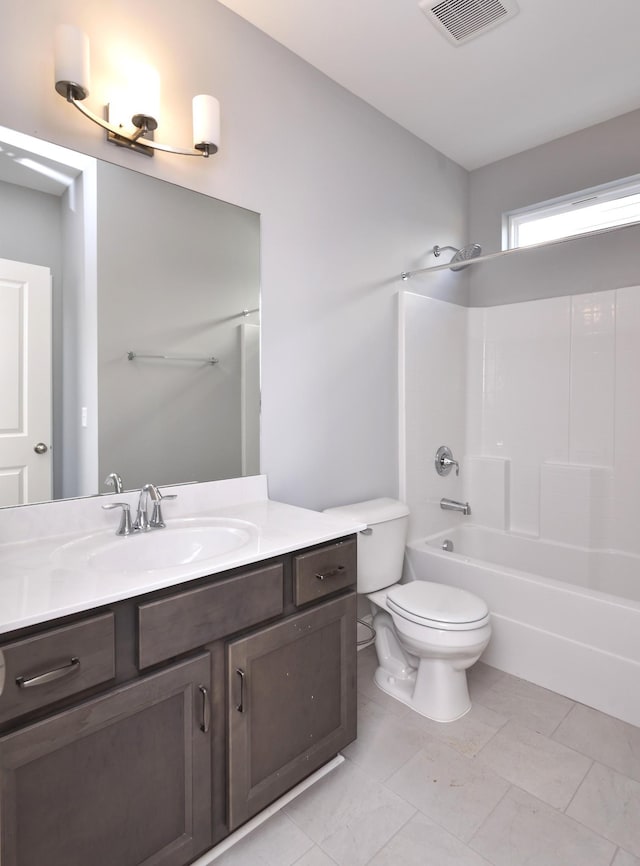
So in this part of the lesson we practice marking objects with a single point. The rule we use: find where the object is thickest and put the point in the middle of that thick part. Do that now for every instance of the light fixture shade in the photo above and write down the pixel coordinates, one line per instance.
(143, 90)
(72, 58)
(206, 120)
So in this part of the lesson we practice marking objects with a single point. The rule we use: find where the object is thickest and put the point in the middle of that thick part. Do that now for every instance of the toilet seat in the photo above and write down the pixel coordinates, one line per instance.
(436, 605)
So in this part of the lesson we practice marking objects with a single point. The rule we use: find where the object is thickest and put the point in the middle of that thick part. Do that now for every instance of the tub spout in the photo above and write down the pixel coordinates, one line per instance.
(454, 505)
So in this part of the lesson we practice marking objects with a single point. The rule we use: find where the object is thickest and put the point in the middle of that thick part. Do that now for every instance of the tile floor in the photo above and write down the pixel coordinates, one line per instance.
(526, 777)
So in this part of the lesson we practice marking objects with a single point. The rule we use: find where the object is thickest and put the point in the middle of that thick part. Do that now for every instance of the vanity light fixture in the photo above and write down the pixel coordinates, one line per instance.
(72, 82)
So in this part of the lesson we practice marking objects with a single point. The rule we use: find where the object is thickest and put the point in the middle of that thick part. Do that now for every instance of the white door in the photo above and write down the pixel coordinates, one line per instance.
(25, 383)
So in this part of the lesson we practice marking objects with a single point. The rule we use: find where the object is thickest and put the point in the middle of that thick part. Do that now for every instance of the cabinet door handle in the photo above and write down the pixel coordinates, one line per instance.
(206, 710)
(334, 572)
(49, 676)
(240, 706)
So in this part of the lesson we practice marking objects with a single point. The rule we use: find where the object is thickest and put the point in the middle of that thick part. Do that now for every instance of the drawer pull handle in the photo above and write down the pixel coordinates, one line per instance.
(50, 676)
(206, 710)
(334, 572)
(240, 706)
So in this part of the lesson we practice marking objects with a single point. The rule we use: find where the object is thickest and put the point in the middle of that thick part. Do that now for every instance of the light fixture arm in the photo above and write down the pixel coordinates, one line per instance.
(72, 75)
(74, 93)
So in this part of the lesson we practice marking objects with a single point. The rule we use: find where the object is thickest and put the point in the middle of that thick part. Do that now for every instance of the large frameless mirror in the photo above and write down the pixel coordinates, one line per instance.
(130, 328)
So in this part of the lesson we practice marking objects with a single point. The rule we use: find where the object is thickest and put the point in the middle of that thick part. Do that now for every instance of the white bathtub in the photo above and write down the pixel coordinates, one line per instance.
(550, 625)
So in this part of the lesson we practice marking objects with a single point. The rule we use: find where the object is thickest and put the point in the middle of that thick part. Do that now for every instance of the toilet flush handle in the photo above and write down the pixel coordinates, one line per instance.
(367, 531)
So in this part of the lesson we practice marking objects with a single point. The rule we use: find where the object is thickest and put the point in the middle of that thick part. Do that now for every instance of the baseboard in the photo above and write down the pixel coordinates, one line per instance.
(212, 855)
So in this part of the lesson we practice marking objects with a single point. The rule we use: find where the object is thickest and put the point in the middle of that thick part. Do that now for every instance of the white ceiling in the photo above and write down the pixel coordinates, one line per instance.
(558, 66)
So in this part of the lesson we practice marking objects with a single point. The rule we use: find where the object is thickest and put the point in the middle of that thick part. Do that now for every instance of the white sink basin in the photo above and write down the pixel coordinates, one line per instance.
(183, 543)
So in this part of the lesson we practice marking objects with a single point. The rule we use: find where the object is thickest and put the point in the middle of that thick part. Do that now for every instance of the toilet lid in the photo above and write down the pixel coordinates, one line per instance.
(438, 605)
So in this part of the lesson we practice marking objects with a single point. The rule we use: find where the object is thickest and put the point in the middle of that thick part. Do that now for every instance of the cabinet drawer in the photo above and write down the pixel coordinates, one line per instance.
(191, 619)
(324, 571)
(59, 662)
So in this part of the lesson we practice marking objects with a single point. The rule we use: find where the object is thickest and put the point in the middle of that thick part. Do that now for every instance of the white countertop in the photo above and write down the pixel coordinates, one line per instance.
(35, 585)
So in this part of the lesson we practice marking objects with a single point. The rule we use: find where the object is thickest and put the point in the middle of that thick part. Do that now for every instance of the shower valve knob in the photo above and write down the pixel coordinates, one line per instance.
(444, 461)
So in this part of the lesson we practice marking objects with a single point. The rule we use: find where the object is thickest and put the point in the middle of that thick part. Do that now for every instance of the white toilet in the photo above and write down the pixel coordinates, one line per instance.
(427, 634)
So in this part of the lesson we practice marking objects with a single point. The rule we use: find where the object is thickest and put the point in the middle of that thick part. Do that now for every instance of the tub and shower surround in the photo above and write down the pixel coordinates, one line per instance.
(548, 392)
(538, 400)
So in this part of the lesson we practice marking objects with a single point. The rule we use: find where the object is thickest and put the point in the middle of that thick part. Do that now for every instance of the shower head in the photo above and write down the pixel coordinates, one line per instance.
(471, 251)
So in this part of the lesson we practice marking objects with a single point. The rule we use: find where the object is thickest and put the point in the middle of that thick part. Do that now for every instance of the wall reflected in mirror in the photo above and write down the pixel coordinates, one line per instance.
(137, 267)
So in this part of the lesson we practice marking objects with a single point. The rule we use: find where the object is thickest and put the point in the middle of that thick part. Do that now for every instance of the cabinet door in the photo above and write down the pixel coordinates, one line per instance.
(292, 692)
(120, 780)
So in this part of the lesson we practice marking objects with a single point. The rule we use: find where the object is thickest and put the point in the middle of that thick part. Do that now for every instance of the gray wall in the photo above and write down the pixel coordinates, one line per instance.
(30, 229)
(347, 200)
(597, 155)
(174, 283)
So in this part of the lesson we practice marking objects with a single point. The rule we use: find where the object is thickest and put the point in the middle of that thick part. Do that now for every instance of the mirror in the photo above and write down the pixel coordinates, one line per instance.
(154, 327)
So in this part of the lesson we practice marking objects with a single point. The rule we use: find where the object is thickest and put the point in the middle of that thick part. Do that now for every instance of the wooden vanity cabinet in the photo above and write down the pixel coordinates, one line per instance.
(291, 690)
(129, 737)
(60, 662)
(122, 779)
(182, 621)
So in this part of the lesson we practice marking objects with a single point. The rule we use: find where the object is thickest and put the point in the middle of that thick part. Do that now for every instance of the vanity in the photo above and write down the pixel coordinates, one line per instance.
(148, 712)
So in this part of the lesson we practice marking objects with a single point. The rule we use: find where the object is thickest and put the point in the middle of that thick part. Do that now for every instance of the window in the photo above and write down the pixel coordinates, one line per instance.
(587, 211)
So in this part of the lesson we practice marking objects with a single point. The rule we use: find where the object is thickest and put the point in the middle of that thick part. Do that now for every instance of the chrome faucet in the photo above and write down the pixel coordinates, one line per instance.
(125, 527)
(454, 505)
(114, 480)
(142, 522)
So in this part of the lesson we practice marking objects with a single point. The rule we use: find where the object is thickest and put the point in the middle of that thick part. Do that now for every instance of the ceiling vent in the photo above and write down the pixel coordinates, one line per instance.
(462, 20)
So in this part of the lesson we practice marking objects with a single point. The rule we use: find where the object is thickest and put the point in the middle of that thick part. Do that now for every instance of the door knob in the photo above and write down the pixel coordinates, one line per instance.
(40, 448)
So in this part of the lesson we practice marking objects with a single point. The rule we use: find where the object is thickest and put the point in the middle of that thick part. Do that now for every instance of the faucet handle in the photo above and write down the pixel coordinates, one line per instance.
(125, 521)
(157, 520)
(444, 461)
(448, 463)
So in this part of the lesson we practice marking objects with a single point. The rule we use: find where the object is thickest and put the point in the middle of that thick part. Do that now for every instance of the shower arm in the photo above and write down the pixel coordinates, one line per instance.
(438, 249)
(462, 256)
(518, 251)
(406, 275)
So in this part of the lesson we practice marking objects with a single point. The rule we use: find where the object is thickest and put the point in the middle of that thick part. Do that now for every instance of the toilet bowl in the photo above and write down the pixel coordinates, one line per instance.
(427, 634)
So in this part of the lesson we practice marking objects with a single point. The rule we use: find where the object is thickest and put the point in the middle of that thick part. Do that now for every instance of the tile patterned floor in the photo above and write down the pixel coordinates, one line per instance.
(527, 778)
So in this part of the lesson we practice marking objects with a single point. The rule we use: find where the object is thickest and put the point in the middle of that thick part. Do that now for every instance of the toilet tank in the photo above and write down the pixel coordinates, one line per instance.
(381, 551)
